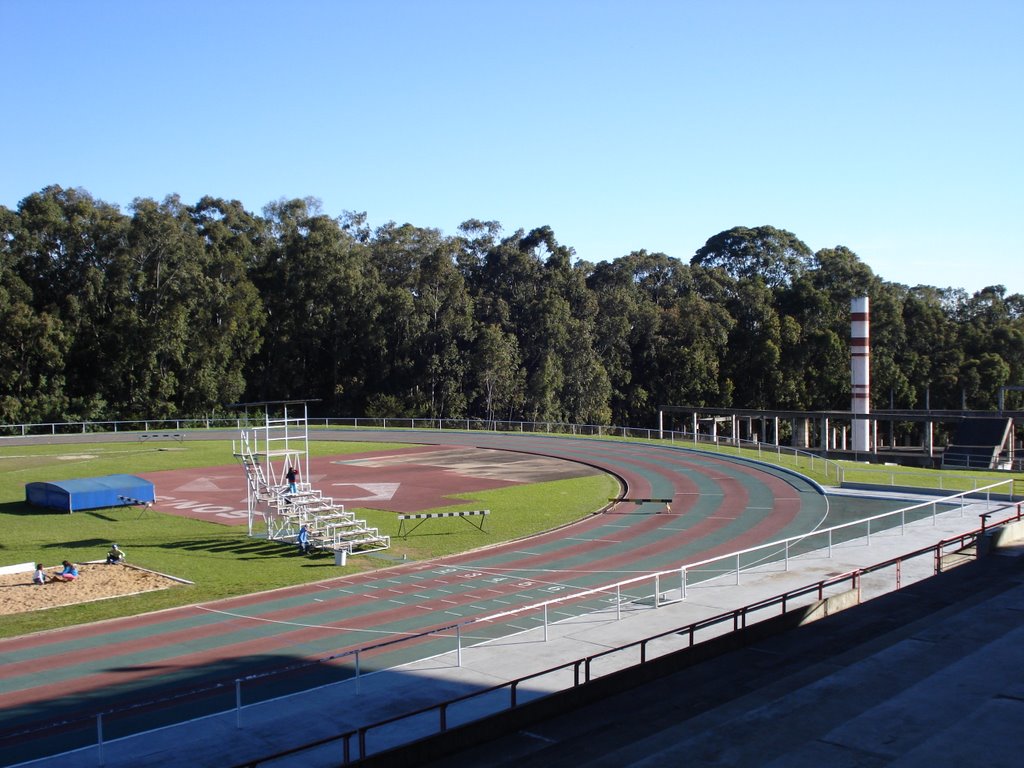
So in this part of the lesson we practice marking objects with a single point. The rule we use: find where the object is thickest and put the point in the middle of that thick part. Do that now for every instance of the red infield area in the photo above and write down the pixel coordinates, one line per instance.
(404, 480)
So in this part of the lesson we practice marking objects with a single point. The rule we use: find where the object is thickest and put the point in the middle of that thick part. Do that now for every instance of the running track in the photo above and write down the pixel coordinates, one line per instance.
(718, 506)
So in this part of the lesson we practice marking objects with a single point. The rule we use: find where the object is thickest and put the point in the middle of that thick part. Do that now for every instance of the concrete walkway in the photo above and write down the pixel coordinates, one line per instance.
(259, 730)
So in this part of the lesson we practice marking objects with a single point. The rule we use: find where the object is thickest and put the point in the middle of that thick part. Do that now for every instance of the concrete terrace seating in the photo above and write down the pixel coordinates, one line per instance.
(927, 676)
(977, 444)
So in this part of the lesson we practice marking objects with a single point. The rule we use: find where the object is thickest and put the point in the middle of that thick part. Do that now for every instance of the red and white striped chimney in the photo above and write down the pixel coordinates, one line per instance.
(860, 371)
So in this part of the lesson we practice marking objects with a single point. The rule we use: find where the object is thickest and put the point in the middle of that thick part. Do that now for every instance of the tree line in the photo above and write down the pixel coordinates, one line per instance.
(175, 310)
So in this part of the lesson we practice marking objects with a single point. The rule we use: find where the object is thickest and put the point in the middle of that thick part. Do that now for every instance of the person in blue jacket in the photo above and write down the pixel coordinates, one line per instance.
(70, 572)
(303, 540)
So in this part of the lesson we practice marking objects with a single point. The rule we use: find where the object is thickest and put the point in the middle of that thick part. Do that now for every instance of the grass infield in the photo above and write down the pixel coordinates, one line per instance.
(222, 561)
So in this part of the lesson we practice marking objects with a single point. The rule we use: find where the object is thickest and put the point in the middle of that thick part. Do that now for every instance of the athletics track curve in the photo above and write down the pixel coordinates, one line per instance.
(718, 506)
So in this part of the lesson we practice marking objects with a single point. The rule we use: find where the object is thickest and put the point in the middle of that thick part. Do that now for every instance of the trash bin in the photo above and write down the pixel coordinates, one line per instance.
(340, 556)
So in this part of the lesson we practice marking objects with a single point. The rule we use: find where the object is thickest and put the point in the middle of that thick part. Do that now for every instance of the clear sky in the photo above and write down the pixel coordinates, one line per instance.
(892, 127)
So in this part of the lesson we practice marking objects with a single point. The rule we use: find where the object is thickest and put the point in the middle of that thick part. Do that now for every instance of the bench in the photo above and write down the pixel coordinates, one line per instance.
(144, 436)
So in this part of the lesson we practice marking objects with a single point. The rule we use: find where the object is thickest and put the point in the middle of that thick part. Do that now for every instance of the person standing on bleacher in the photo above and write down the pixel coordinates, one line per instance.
(291, 476)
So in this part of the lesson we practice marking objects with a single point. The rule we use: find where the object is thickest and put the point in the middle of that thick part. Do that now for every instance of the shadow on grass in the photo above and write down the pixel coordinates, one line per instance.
(242, 549)
(80, 544)
(233, 546)
(24, 509)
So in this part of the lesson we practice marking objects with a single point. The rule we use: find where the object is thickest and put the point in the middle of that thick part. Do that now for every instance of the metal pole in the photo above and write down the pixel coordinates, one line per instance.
(99, 738)
(545, 622)
(238, 703)
(458, 642)
(358, 681)
(618, 602)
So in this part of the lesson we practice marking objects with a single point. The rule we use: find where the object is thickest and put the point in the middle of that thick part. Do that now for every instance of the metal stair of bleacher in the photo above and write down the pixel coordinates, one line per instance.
(330, 526)
(266, 451)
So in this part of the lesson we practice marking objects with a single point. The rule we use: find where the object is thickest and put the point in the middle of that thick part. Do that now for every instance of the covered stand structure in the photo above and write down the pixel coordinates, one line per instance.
(274, 439)
(90, 492)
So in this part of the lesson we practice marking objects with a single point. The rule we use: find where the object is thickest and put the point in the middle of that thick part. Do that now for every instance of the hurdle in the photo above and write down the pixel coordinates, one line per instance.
(666, 502)
(144, 436)
(642, 501)
(424, 516)
(130, 501)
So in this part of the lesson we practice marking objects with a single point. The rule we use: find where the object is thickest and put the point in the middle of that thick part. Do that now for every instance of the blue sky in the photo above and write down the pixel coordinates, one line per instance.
(893, 128)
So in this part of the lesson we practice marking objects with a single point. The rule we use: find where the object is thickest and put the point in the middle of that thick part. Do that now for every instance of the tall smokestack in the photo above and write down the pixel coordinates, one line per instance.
(860, 371)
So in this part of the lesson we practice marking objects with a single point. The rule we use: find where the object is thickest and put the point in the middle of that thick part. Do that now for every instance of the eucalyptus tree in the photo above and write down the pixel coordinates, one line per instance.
(775, 256)
(425, 327)
(33, 343)
(500, 379)
(318, 296)
(182, 315)
(815, 307)
(503, 279)
(566, 380)
(991, 335)
(623, 314)
(63, 248)
(755, 346)
(928, 356)
(229, 314)
(443, 299)
(698, 338)
(663, 330)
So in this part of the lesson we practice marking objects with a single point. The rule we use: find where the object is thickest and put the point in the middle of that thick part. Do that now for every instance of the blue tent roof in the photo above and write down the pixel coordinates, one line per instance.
(89, 492)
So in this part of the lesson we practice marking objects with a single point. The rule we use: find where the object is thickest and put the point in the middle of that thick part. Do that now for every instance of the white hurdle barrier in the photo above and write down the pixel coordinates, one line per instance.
(481, 513)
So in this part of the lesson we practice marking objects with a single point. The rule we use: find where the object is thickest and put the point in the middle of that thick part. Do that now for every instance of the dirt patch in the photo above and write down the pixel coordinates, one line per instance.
(95, 582)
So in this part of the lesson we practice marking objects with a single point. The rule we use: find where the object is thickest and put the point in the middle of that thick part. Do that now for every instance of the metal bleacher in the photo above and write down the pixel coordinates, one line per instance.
(266, 452)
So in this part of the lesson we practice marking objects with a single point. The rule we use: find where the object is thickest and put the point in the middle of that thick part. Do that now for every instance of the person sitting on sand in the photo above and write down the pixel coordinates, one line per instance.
(115, 555)
(39, 577)
(70, 573)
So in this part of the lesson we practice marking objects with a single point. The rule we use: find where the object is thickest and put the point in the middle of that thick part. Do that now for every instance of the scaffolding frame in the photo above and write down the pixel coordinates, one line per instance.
(274, 439)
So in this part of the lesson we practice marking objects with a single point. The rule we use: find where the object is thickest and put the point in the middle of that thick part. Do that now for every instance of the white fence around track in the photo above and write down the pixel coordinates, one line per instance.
(874, 474)
(780, 454)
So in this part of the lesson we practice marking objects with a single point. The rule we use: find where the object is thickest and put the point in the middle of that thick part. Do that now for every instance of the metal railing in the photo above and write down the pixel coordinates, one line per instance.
(651, 589)
(779, 454)
(584, 670)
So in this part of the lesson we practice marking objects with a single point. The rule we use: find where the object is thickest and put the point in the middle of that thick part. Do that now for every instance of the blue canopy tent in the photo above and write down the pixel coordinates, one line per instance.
(90, 492)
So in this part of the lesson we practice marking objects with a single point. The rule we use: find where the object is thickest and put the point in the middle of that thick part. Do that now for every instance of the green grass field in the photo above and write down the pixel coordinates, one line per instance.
(223, 561)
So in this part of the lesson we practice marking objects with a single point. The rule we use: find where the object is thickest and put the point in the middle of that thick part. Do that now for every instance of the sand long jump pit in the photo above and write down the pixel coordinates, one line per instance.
(96, 581)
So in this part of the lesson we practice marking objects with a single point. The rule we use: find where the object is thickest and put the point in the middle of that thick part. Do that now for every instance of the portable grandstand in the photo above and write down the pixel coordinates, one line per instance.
(266, 452)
